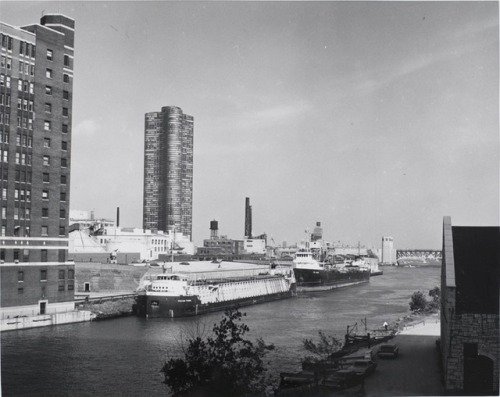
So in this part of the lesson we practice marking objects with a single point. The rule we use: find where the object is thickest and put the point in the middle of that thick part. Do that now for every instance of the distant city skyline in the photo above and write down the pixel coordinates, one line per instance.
(374, 118)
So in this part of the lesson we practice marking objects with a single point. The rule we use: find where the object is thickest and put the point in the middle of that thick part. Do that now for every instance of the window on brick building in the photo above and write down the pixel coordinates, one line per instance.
(43, 273)
(50, 55)
(46, 177)
(48, 73)
(45, 212)
(20, 276)
(45, 194)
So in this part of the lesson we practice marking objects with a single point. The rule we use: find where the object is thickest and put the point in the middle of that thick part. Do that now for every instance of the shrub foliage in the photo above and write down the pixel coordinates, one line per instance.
(419, 303)
(323, 349)
(223, 364)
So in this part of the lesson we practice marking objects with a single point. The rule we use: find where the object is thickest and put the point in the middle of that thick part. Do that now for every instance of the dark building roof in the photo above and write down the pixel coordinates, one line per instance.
(477, 269)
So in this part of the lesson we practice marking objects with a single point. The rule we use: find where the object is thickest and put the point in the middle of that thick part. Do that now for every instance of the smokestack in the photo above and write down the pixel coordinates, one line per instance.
(117, 216)
(248, 218)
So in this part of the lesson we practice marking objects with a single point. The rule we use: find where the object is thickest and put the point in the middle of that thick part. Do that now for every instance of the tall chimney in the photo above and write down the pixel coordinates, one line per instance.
(248, 218)
(117, 216)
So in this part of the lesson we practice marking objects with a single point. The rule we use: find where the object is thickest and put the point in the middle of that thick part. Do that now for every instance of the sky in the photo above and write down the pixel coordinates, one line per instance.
(373, 118)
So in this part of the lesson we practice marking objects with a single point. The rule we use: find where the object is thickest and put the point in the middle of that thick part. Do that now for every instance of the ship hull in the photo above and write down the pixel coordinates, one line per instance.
(185, 306)
(211, 296)
(309, 280)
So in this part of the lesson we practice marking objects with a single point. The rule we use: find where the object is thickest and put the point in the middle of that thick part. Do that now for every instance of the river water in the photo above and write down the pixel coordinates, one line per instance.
(123, 357)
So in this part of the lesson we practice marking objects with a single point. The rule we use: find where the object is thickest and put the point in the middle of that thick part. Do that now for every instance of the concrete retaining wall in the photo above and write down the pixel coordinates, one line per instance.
(107, 278)
(12, 324)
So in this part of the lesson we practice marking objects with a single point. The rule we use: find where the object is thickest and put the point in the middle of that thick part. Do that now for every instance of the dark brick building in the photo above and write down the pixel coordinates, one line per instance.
(470, 281)
(36, 95)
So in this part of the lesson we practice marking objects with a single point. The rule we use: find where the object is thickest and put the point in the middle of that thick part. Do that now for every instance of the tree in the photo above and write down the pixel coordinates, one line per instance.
(322, 350)
(418, 301)
(224, 364)
(435, 294)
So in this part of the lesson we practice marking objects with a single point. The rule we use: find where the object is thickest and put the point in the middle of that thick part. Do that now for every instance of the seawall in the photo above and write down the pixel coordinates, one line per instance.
(17, 323)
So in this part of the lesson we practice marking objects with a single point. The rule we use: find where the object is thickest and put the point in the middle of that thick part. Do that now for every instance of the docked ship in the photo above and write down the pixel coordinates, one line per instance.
(191, 293)
(313, 275)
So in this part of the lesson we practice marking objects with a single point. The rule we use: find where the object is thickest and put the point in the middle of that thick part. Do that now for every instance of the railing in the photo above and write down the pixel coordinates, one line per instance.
(101, 299)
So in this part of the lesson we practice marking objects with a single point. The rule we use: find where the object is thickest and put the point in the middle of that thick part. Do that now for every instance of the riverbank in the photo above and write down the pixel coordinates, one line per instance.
(417, 324)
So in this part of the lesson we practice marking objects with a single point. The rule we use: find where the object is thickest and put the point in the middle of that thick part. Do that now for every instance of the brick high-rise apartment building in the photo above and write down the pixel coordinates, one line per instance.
(168, 171)
(36, 95)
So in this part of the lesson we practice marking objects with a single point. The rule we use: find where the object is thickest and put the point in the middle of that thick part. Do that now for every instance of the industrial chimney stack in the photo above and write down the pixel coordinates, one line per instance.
(248, 218)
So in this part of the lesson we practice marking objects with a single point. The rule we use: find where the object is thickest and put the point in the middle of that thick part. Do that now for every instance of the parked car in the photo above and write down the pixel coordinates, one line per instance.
(363, 367)
(388, 350)
(341, 379)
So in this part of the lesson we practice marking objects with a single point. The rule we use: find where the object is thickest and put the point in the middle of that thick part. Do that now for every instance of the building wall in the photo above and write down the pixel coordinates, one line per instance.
(36, 140)
(254, 246)
(23, 284)
(480, 329)
(36, 96)
(152, 181)
(168, 171)
(460, 328)
(388, 251)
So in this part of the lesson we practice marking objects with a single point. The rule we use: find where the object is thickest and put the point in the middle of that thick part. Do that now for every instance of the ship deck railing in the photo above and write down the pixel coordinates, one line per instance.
(224, 275)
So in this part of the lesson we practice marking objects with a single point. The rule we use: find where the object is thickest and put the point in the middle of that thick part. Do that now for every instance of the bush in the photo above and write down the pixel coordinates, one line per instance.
(418, 302)
(222, 365)
(322, 350)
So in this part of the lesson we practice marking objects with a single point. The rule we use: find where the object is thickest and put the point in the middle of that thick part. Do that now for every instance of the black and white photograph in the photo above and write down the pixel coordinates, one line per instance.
(249, 198)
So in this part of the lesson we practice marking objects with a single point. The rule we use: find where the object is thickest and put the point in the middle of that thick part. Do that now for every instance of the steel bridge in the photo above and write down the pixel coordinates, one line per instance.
(419, 253)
